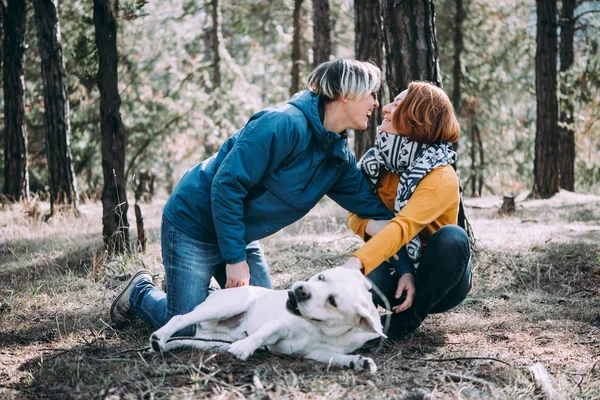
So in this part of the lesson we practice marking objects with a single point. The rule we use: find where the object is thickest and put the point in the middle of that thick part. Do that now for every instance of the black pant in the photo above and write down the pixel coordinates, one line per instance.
(442, 281)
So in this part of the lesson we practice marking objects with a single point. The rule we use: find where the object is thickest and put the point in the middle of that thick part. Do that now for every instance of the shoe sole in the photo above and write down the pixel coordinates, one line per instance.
(115, 301)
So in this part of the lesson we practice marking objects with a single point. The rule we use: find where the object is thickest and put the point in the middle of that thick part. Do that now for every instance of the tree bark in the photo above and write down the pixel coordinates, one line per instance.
(411, 53)
(458, 49)
(368, 45)
(322, 32)
(410, 43)
(545, 169)
(63, 185)
(115, 228)
(16, 175)
(296, 47)
(567, 133)
(216, 43)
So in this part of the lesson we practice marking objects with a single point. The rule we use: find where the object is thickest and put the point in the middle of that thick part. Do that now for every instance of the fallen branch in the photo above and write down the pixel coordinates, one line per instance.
(458, 359)
(543, 381)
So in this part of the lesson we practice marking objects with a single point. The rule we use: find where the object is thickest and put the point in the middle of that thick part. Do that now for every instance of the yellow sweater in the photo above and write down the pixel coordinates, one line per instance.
(433, 204)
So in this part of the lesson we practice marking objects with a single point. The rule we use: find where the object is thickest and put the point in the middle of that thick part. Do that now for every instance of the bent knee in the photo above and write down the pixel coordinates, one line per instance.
(452, 237)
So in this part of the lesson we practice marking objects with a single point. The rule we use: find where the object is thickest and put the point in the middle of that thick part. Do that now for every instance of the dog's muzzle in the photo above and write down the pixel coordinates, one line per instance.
(292, 304)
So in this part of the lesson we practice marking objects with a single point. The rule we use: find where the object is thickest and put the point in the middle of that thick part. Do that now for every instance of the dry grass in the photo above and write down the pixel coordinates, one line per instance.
(536, 299)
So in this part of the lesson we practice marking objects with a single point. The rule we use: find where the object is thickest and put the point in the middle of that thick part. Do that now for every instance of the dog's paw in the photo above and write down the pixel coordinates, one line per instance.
(363, 364)
(242, 349)
(157, 343)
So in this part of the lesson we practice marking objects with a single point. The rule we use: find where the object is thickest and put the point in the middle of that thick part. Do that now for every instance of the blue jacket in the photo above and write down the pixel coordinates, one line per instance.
(267, 176)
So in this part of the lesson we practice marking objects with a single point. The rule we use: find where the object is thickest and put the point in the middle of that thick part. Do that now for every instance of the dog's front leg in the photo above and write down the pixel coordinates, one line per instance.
(343, 360)
(268, 334)
(158, 339)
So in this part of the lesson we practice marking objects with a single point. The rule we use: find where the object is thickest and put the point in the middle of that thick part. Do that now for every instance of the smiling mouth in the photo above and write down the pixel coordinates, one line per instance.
(369, 113)
(292, 304)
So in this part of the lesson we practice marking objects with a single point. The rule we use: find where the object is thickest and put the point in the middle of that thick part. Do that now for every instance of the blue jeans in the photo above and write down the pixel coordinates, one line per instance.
(189, 267)
(443, 279)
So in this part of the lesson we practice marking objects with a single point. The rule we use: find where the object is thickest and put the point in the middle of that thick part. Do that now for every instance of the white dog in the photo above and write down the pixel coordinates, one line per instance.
(323, 319)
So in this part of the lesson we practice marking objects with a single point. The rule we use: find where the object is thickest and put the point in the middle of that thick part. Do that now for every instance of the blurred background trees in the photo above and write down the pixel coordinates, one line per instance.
(191, 72)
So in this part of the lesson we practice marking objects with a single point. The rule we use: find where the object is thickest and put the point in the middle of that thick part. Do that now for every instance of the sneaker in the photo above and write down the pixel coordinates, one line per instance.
(120, 309)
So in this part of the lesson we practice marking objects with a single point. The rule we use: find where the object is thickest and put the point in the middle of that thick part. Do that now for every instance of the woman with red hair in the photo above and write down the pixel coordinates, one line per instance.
(410, 168)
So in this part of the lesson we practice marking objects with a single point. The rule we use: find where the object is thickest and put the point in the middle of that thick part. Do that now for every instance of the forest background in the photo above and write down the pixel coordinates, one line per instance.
(174, 115)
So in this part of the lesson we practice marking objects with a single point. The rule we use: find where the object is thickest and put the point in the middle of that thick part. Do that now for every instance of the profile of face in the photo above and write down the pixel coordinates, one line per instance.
(388, 112)
(358, 111)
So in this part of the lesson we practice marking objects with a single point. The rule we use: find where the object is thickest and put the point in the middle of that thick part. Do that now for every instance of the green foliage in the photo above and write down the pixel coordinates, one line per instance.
(498, 78)
(174, 115)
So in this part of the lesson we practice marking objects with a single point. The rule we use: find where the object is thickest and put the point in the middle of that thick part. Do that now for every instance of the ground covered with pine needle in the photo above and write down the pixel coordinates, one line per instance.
(536, 301)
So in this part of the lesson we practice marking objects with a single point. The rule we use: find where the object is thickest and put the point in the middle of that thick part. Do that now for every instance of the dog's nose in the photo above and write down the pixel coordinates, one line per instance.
(302, 293)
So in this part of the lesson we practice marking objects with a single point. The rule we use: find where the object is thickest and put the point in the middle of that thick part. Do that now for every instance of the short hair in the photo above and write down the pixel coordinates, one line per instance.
(345, 78)
(426, 115)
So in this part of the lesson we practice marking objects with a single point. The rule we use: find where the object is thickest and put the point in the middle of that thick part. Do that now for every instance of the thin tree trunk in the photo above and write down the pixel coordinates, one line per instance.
(216, 43)
(477, 134)
(459, 17)
(368, 45)
(322, 32)
(296, 47)
(115, 228)
(545, 169)
(458, 49)
(63, 186)
(2, 12)
(567, 133)
(410, 43)
(16, 175)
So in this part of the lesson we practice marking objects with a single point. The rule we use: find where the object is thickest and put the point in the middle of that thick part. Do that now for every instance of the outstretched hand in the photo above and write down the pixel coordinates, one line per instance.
(238, 274)
(406, 283)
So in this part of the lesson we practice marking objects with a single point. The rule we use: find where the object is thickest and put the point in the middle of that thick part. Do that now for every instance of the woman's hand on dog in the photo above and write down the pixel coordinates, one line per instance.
(238, 274)
(406, 283)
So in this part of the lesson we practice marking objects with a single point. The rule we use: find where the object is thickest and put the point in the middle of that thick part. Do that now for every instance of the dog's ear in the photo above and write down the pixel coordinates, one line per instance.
(363, 279)
(369, 322)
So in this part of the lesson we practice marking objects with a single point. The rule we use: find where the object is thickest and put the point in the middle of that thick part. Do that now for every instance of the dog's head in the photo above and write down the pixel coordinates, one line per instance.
(336, 300)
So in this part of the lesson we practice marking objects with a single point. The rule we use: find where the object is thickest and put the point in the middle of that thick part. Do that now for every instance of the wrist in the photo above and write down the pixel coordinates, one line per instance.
(354, 263)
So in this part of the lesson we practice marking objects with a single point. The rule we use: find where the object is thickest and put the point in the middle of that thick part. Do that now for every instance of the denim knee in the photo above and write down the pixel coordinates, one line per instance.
(449, 238)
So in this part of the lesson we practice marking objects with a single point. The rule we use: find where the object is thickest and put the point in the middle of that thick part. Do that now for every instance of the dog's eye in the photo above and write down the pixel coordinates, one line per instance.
(321, 277)
(331, 301)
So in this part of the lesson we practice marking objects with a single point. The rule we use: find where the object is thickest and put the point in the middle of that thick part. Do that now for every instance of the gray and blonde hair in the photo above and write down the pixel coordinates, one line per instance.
(349, 79)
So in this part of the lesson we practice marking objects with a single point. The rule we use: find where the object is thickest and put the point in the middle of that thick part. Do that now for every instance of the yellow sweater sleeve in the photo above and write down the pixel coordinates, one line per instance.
(435, 196)
(358, 225)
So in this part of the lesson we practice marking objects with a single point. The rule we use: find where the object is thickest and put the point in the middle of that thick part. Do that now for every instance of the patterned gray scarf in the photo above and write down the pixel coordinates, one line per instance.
(411, 161)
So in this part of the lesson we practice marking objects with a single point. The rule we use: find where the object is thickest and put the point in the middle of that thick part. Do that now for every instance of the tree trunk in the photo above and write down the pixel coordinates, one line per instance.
(545, 169)
(411, 53)
(16, 175)
(368, 46)
(458, 49)
(296, 47)
(63, 186)
(322, 32)
(410, 43)
(115, 228)
(567, 133)
(216, 43)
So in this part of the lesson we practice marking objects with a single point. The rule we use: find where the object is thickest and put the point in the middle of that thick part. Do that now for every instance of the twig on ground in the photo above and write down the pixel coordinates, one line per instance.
(543, 381)
(457, 359)
(465, 378)
(217, 381)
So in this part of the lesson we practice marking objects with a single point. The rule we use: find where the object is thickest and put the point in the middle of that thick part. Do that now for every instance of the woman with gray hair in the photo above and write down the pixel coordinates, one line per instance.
(265, 177)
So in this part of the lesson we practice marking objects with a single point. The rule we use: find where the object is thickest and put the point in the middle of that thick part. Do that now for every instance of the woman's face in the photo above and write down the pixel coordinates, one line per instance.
(359, 111)
(388, 111)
